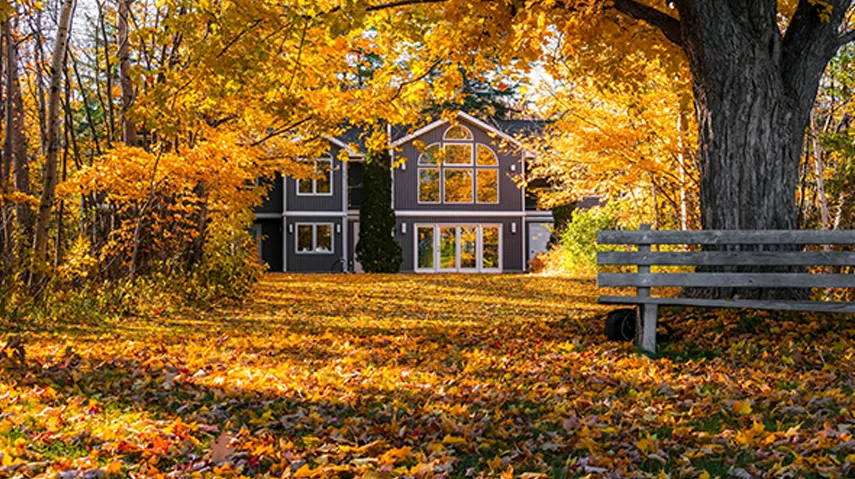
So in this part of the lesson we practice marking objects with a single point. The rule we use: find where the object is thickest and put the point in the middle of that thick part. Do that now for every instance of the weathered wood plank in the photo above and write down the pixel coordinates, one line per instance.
(817, 306)
(645, 321)
(720, 237)
(726, 280)
(728, 258)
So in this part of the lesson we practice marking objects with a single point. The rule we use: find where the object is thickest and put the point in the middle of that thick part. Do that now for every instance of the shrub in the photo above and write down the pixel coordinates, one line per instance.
(576, 253)
(376, 249)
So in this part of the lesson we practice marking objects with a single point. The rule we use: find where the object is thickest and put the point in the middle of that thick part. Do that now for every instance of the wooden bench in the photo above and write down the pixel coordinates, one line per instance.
(644, 280)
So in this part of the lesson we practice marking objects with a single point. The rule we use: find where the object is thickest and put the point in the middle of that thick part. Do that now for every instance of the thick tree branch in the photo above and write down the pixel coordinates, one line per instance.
(668, 25)
(847, 37)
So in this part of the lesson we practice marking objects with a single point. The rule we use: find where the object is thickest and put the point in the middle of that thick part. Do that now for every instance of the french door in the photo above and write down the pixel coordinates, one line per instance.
(466, 248)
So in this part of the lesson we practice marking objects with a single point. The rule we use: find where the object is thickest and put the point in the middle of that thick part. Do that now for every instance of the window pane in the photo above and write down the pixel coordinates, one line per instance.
(324, 239)
(490, 250)
(431, 155)
(304, 238)
(458, 186)
(488, 186)
(428, 185)
(324, 182)
(447, 248)
(468, 245)
(425, 247)
(485, 156)
(458, 132)
(304, 187)
(458, 154)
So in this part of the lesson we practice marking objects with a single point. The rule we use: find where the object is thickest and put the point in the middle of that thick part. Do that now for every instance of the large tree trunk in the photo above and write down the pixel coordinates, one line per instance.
(754, 90)
(15, 147)
(129, 130)
(53, 143)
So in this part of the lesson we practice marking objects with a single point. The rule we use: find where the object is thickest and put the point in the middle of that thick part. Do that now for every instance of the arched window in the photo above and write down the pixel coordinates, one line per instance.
(458, 170)
(457, 132)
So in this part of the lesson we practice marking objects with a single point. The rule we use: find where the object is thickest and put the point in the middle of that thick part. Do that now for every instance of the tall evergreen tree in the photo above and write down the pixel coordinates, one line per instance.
(376, 249)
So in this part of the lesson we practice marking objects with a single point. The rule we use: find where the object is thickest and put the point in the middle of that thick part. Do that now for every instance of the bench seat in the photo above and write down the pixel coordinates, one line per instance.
(769, 305)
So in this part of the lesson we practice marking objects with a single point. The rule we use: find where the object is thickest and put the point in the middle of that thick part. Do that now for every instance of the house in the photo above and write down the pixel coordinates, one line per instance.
(458, 203)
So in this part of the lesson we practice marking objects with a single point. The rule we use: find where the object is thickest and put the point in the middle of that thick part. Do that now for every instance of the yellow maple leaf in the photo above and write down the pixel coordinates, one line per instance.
(742, 407)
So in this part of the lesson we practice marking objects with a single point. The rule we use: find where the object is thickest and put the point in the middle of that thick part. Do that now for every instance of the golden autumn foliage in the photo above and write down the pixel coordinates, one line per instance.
(425, 376)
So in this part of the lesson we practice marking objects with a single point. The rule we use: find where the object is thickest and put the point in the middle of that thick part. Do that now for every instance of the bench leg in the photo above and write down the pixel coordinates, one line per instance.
(645, 327)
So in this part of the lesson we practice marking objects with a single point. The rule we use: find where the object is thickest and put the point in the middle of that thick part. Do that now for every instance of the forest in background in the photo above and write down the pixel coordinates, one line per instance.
(134, 132)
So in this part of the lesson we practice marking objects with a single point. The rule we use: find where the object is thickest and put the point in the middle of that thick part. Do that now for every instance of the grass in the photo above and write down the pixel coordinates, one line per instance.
(427, 376)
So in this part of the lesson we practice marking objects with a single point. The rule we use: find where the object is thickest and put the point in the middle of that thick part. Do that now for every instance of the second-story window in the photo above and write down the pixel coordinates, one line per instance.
(458, 170)
(321, 182)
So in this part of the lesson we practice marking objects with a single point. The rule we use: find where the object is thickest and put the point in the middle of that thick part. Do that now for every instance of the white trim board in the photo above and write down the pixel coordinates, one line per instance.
(344, 146)
(464, 116)
(321, 214)
(463, 213)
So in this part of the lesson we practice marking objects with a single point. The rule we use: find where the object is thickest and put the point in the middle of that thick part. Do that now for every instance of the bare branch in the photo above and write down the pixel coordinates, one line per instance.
(847, 37)
(668, 25)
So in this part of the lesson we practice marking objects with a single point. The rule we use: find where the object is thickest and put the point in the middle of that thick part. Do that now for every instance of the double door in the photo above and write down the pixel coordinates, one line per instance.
(467, 248)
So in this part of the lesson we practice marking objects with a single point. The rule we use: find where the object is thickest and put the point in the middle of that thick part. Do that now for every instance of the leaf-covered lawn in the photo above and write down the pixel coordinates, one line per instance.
(428, 376)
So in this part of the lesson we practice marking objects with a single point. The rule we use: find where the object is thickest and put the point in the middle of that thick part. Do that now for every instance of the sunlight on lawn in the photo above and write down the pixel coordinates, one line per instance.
(425, 376)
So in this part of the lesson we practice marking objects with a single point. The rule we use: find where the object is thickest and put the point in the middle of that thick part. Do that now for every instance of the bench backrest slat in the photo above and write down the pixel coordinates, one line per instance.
(727, 280)
(727, 258)
(724, 237)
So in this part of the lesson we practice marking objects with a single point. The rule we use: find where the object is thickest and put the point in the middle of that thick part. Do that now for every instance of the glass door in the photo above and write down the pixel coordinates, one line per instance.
(468, 250)
(447, 248)
(458, 248)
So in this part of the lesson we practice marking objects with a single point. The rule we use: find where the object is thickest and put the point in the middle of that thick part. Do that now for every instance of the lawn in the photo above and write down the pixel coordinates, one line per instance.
(427, 376)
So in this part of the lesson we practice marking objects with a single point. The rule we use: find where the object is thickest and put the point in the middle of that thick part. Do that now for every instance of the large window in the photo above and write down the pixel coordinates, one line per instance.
(314, 238)
(320, 183)
(458, 170)
(465, 247)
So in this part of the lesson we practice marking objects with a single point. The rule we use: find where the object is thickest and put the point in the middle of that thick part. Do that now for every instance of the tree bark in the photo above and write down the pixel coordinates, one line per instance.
(15, 148)
(129, 131)
(53, 143)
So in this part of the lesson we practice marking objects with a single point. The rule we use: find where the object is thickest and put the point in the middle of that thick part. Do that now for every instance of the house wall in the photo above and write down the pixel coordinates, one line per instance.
(333, 202)
(273, 201)
(271, 242)
(406, 179)
(322, 263)
(512, 243)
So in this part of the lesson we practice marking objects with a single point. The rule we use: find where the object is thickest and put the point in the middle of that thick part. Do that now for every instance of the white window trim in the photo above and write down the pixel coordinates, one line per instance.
(314, 239)
(314, 192)
(473, 167)
(451, 127)
(419, 184)
(479, 247)
(497, 186)
(471, 172)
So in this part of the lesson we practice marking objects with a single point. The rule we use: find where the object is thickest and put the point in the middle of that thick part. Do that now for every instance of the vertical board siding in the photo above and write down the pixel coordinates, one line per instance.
(311, 263)
(273, 201)
(271, 243)
(406, 180)
(319, 203)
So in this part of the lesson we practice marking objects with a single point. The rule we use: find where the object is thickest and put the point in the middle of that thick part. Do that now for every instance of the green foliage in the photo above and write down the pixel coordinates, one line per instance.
(578, 245)
(563, 215)
(376, 249)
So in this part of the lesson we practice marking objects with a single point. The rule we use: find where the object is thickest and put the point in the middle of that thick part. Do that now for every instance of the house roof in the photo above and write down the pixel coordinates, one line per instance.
(507, 129)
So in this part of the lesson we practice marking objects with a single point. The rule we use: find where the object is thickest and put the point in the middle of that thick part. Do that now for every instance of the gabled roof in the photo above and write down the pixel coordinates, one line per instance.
(506, 129)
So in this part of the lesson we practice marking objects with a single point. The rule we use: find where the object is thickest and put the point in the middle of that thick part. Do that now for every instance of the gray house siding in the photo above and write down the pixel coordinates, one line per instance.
(270, 242)
(273, 201)
(331, 202)
(406, 177)
(512, 243)
(312, 262)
